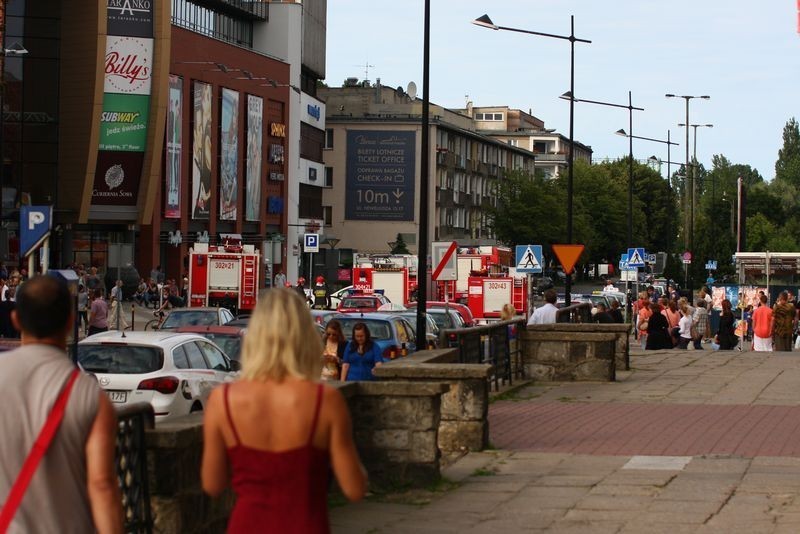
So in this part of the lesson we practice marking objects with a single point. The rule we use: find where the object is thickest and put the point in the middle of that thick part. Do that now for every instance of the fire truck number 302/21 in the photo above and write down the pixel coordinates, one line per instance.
(224, 264)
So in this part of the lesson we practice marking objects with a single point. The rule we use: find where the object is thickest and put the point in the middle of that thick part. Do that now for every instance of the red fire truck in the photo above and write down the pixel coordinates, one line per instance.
(488, 295)
(479, 261)
(224, 275)
(394, 274)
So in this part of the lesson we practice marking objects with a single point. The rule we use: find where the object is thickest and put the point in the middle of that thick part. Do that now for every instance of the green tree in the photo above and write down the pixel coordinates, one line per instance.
(400, 246)
(787, 167)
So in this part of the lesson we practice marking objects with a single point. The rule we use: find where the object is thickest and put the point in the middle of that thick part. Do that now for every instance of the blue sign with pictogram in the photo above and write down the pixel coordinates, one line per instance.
(35, 223)
(310, 242)
(529, 259)
(636, 257)
(623, 262)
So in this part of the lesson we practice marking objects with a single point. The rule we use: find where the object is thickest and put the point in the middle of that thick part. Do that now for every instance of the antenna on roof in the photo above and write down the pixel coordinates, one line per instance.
(366, 66)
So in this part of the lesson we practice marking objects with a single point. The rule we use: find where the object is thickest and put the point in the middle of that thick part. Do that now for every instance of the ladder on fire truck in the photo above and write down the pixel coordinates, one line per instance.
(249, 276)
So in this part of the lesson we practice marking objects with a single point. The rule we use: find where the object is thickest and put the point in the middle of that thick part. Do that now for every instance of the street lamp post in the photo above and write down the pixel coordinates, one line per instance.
(630, 107)
(689, 190)
(486, 22)
(422, 239)
(713, 180)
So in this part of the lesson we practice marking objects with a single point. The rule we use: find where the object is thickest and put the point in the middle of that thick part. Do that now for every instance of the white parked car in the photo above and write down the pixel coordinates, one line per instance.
(175, 373)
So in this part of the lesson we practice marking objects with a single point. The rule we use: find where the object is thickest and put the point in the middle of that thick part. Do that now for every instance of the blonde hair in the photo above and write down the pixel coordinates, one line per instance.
(508, 312)
(281, 339)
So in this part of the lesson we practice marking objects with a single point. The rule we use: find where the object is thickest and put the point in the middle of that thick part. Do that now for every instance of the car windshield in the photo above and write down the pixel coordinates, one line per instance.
(230, 344)
(378, 330)
(358, 303)
(120, 359)
(179, 318)
(443, 320)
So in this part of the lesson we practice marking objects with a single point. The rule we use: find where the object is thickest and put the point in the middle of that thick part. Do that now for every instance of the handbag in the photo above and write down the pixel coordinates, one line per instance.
(693, 332)
(40, 446)
(644, 325)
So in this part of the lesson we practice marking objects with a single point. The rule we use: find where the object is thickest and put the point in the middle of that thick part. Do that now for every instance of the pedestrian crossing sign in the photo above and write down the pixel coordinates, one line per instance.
(636, 257)
(529, 259)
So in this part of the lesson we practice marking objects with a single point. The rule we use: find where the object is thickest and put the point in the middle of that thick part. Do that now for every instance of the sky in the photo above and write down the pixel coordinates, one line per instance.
(744, 55)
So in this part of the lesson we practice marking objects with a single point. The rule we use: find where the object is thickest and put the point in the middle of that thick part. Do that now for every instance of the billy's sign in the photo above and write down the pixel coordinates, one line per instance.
(128, 65)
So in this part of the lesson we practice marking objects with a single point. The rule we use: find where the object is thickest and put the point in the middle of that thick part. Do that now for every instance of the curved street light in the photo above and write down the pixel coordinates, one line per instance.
(486, 22)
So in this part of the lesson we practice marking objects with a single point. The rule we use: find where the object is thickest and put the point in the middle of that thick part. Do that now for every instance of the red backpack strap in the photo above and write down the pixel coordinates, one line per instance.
(36, 453)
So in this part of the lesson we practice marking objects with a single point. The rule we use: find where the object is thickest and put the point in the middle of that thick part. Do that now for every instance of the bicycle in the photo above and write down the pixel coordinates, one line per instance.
(154, 324)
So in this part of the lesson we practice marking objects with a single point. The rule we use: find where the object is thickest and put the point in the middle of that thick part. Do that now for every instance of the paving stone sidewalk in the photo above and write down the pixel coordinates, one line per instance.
(665, 474)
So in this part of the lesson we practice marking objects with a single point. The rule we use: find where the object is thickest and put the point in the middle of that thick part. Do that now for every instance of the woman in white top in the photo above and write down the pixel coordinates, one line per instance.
(684, 328)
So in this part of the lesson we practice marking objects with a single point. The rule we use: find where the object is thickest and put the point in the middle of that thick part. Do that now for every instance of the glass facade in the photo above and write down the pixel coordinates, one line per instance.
(29, 142)
(213, 23)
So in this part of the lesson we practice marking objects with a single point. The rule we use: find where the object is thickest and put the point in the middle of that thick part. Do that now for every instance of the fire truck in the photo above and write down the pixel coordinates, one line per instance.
(481, 261)
(394, 274)
(224, 275)
(488, 295)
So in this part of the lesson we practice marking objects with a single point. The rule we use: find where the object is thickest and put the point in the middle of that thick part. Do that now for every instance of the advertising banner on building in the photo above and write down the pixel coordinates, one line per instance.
(128, 65)
(229, 156)
(380, 175)
(127, 70)
(123, 123)
(172, 196)
(255, 121)
(130, 17)
(116, 179)
(201, 152)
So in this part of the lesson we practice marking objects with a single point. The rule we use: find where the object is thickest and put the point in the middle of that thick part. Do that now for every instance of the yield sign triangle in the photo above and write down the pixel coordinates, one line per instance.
(568, 256)
(635, 258)
(528, 260)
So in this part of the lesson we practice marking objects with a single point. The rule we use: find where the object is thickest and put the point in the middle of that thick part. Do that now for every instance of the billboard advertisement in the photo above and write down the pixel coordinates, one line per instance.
(172, 196)
(380, 175)
(127, 70)
(116, 179)
(130, 17)
(229, 155)
(128, 65)
(255, 121)
(201, 152)
(123, 123)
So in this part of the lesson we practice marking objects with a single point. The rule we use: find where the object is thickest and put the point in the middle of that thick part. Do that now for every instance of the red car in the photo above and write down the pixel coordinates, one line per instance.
(461, 309)
(362, 303)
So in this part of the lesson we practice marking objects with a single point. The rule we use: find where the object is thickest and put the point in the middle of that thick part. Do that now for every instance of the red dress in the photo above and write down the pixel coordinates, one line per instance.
(283, 491)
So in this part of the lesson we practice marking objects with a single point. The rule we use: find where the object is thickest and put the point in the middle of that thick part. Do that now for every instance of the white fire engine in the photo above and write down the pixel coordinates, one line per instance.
(394, 274)
(224, 275)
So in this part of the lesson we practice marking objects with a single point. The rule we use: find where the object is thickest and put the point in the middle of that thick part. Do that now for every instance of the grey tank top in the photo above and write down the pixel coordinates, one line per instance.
(31, 377)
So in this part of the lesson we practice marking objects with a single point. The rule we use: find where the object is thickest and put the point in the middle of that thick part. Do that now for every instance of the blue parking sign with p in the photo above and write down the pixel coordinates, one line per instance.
(34, 227)
(310, 242)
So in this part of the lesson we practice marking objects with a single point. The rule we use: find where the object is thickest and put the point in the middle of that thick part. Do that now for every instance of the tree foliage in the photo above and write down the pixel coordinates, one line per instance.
(787, 168)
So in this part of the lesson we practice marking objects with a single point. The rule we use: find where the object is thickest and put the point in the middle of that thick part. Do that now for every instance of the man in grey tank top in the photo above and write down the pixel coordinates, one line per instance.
(75, 488)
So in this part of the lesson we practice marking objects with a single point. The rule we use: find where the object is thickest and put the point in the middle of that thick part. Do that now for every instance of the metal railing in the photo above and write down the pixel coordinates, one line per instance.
(495, 343)
(131, 460)
(577, 313)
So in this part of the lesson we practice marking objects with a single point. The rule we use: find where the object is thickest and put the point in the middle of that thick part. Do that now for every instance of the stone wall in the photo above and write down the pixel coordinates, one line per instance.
(395, 424)
(464, 414)
(178, 503)
(566, 351)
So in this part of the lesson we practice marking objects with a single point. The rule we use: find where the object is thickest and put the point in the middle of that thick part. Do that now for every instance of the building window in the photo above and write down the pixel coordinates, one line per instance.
(310, 202)
(513, 142)
(329, 138)
(311, 141)
(328, 176)
(327, 215)
(488, 116)
(205, 21)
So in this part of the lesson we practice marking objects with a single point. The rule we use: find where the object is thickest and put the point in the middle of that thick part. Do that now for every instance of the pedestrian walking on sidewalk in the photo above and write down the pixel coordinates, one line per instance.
(275, 434)
(684, 328)
(726, 334)
(783, 323)
(74, 487)
(700, 326)
(762, 327)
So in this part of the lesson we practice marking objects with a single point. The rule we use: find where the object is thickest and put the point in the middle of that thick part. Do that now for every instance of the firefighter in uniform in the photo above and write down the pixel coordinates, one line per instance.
(301, 290)
(322, 294)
